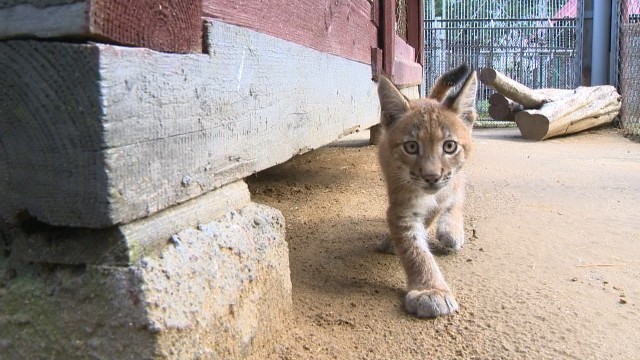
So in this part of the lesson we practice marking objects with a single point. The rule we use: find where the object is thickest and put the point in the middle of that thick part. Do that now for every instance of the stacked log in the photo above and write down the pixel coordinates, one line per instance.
(544, 113)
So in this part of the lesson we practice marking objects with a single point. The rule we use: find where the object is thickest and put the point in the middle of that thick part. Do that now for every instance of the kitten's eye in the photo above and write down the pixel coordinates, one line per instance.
(450, 146)
(411, 147)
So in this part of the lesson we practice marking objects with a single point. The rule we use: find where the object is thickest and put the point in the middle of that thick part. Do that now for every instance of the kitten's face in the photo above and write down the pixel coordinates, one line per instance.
(427, 140)
(428, 145)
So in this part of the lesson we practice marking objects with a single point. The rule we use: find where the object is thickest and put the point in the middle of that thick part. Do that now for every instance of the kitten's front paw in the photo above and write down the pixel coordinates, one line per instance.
(430, 303)
(386, 246)
(452, 240)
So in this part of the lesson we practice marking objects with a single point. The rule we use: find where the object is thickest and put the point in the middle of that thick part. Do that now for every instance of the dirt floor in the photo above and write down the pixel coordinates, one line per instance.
(550, 269)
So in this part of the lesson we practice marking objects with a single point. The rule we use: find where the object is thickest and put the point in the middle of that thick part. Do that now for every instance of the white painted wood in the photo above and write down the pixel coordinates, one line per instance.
(121, 133)
(53, 20)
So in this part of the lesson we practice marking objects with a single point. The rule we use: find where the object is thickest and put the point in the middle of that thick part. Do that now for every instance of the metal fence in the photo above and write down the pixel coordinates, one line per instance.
(629, 65)
(536, 42)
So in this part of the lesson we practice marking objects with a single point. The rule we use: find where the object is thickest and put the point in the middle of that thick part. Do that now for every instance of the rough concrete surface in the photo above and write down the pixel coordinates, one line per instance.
(216, 292)
(549, 270)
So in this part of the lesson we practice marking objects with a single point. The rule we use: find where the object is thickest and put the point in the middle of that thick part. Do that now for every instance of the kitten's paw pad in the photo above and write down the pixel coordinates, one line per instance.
(385, 245)
(430, 303)
(451, 241)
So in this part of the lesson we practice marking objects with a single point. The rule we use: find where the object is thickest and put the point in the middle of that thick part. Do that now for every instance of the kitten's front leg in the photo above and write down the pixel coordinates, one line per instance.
(428, 293)
(450, 231)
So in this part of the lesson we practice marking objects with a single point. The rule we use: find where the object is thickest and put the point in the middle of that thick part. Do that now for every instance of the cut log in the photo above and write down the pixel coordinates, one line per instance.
(522, 94)
(503, 109)
(512, 89)
(587, 108)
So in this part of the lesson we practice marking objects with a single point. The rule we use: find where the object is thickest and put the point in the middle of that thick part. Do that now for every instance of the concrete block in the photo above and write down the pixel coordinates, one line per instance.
(218, 291)
(34, 241)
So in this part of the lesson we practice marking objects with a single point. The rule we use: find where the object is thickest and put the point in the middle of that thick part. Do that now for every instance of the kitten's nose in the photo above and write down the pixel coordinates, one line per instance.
(431, 178)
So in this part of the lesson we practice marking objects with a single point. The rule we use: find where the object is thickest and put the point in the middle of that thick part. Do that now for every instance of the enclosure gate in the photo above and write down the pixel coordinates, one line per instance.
(536, 42)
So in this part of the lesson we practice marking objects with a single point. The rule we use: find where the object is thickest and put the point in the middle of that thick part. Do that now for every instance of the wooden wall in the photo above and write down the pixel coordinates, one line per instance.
(97, 135)
(94, 133)
(165, 25)
(339, 27)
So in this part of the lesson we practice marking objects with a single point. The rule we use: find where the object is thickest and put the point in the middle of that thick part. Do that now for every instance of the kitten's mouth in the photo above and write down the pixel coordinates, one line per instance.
(433, 188)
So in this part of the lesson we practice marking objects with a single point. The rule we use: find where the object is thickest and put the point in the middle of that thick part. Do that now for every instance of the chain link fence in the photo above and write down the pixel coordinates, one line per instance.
(535, 42)
(629, 65)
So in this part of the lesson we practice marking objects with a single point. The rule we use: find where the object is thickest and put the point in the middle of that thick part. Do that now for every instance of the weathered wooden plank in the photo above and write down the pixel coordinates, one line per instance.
(406, 71)
(123, 244)
(115, 133)
(389, 36)
(415, 28)
(340, 27)
(399, 58)
(165, 25)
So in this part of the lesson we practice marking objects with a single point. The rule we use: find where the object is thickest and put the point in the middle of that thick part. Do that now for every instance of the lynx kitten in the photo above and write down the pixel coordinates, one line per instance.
(422, 151)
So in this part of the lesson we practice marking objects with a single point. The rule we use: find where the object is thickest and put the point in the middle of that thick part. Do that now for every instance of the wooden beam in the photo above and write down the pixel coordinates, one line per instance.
(165, 25)
(406, 71)
(125, 244)
(389, 36)
(342, 28)
(376, 63)
(96, 135)
(415, 28)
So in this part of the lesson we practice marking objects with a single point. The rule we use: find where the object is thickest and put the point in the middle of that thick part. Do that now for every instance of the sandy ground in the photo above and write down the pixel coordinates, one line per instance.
(550, 269)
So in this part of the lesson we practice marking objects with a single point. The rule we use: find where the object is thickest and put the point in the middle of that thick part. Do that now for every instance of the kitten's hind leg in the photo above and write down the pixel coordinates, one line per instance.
(450, 230)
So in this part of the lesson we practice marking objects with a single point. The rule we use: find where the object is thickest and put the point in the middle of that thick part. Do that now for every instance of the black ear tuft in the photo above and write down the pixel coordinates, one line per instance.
(454, 76)
(446, 81)
(463, 102)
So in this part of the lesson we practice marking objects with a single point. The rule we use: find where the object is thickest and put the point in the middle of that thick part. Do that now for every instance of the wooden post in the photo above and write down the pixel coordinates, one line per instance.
(389, 35)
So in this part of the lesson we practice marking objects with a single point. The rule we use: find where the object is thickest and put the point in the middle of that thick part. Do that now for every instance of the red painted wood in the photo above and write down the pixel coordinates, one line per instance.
(389, 36)
(339, 27)
(376, 13)
(415, 28)
(399, 57)
(164, 25)
(403, 50)
(406, 71)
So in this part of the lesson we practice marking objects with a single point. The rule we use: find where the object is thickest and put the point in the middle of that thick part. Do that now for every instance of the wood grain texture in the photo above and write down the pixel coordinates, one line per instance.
(588, 107)
(165, 25)
(124, 244)
(118, 133)
(339, 27)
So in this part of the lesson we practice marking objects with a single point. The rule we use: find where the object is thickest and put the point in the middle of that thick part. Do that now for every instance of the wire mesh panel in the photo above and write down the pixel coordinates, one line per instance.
(531, 41)
(629, 65)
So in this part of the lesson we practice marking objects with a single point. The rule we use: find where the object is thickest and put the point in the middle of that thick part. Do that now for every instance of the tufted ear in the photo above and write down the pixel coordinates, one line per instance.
(463, 102)
(392, 103)
(446, 81)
